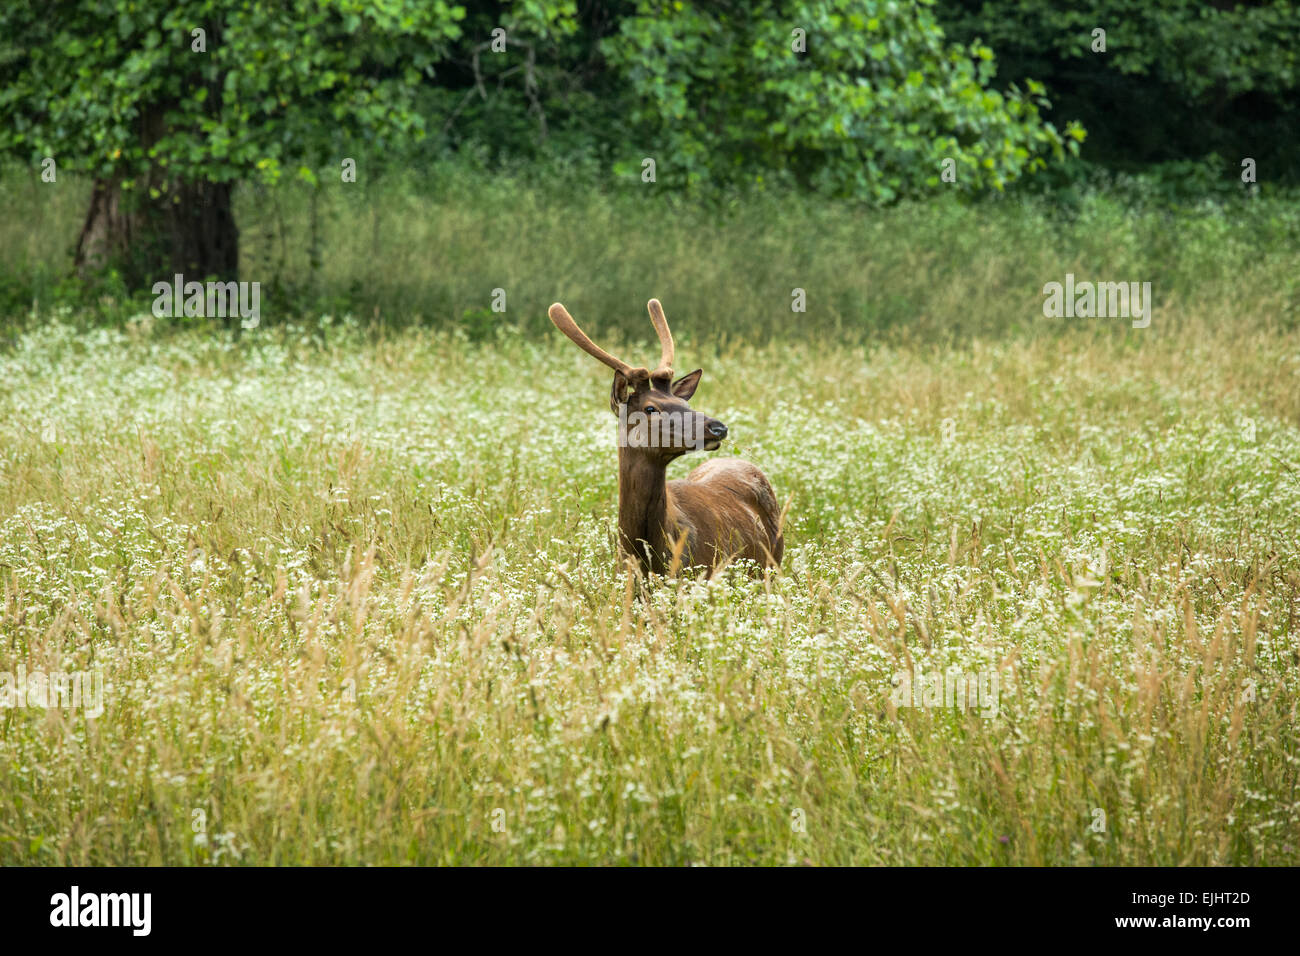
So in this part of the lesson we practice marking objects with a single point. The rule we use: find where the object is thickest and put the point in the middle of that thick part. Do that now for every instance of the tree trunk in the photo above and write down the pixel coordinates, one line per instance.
(189, 229)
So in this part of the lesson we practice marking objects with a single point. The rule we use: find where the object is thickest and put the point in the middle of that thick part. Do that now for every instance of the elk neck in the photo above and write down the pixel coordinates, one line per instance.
(644, 508)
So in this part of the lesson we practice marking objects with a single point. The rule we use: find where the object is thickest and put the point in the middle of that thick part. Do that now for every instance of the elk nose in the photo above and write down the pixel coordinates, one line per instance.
(717, 430)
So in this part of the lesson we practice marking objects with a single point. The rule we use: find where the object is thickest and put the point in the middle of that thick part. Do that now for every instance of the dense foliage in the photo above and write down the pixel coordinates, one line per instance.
(219, 91)
(1179, 80)
(847, 97)
(855, 97)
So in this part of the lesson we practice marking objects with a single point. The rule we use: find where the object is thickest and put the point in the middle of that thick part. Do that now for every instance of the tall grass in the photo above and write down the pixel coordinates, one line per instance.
(355, 595)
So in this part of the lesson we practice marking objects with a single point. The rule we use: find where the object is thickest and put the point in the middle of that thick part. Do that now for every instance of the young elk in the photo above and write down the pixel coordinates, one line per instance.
(724, 509)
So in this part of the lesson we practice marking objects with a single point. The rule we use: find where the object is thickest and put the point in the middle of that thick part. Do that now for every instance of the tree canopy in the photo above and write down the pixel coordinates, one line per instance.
(169, 108)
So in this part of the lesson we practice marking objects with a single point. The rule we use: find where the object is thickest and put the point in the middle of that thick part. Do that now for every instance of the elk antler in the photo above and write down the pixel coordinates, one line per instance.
(665, 339)
(564, 322)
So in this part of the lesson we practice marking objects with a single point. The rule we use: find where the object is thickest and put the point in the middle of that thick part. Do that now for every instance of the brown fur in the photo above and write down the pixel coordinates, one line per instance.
(723, 510)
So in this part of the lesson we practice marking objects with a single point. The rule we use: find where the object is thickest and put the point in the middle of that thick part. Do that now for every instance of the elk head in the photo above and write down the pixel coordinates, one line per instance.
(654, 415)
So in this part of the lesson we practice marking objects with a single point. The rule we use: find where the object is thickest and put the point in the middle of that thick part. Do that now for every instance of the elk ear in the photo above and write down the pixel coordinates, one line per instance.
(685, 386)
(618, 395)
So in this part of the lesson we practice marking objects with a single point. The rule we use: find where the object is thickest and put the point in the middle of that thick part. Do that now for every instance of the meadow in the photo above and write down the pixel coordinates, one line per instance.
(351, 579)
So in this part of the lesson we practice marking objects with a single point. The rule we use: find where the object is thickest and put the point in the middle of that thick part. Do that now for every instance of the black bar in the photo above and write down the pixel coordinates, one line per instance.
(943, 907)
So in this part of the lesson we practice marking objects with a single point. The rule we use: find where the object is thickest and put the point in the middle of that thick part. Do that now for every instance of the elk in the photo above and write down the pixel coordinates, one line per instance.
(723, 510)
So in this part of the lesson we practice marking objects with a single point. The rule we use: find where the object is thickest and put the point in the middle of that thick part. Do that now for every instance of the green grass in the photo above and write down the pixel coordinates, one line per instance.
(355, 598)
(432, 250)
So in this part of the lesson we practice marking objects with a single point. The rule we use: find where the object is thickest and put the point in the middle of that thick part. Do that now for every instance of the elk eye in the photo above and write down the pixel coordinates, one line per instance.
(650, 409)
